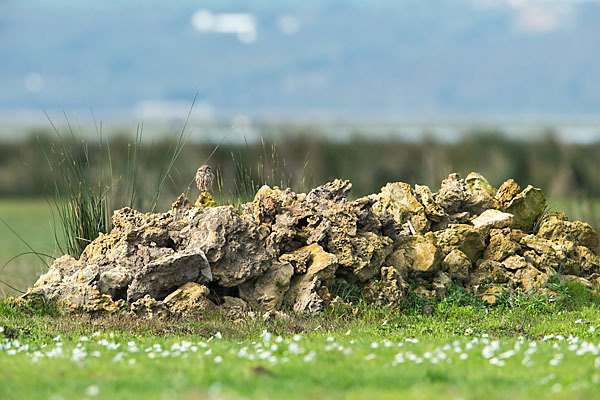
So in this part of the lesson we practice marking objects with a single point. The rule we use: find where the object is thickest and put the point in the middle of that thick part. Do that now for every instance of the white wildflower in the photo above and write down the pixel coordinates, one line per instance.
(92, 390)
(310, 356)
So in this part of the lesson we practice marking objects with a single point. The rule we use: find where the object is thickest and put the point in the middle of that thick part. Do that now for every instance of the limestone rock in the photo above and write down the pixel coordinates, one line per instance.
(477, 183)
(530, 278)
(114, 282)
(582, 233)
(416, 253)
(333, 191)
(398, 200)
(465, 238)
(586, 262)
(234, 247)
(480, 194)
(266, 292)
(149, 307)
(527, 208)
(490, 272)
(80, 297)
(506, 192)
(491, 219)
(62, 267)
(503, 243)
(393, 287)
(180, 207)
(158, 278)
(299, 259)
(388, 289)
(86, 275)
(367, 252)
(234, 308)
(189, 299)
(457, 265)
(452, 194)
(441, 283)
(514, 262)
(303, 292)
(432, 209)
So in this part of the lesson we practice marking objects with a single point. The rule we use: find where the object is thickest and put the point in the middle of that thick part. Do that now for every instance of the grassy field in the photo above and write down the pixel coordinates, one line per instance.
(32, 220)
(524, 347)
(466, 351)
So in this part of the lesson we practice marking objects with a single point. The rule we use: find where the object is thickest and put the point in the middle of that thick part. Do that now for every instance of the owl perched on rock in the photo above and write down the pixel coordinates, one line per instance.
(204, 178)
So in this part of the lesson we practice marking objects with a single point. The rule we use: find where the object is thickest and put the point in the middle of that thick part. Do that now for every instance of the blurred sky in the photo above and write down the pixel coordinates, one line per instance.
(304, 59)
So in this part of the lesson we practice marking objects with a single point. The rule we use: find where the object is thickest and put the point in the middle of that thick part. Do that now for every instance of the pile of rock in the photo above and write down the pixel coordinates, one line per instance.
(296, 250)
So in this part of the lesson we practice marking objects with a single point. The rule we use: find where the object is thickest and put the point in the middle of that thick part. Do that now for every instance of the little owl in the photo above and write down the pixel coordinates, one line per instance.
(204, 178)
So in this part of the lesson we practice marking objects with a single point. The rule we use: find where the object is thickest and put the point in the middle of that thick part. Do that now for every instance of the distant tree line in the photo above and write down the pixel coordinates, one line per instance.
(301, 160)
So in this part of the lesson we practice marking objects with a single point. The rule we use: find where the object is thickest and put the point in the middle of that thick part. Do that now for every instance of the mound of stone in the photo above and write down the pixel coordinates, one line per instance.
(286, 250)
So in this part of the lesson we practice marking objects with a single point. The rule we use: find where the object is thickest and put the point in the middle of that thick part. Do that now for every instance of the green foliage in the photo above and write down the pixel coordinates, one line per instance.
(413, 303)
(347, 292)
(252, 171)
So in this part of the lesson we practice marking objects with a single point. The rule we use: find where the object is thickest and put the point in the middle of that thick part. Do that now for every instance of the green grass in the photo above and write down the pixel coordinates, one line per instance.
(460, 351)
(32, 220)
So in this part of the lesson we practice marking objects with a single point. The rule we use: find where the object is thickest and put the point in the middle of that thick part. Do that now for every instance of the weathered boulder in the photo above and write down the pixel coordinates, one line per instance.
(514, 262)
(114, 282)
(266, 291)
(503, 243)
(489, 272)
(303, 293)
(432, 209)
(234, 308)
(388, 289)
(158, 278)
(584, 263)
(335, 191)
(465, 238)
(492, 219)
(189, 299)
(398, 200)
(415, 253)
(234, 246)
(80, 297)
(452, 194)
(477, 183)
(359, 257)
(441, 283)
(530, 278)
(299, 259)
(480, 195)
(527, 208)
(149, 307)
(62, 268)
(86, 275)
(553, 228)
(506, 192)
(457, 265)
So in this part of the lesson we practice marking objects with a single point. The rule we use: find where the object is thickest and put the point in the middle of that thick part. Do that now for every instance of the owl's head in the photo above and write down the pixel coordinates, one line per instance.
(204, 169)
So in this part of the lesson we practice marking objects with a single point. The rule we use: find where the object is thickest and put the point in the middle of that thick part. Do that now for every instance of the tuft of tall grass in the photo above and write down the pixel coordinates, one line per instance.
(251, 173)
(88, 188)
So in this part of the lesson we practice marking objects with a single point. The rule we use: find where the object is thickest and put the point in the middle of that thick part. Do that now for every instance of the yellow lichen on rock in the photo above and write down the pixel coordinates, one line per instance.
(205, 200)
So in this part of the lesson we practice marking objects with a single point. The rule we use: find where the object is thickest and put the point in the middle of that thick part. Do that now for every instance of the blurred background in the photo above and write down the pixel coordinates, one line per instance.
(292, 93)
